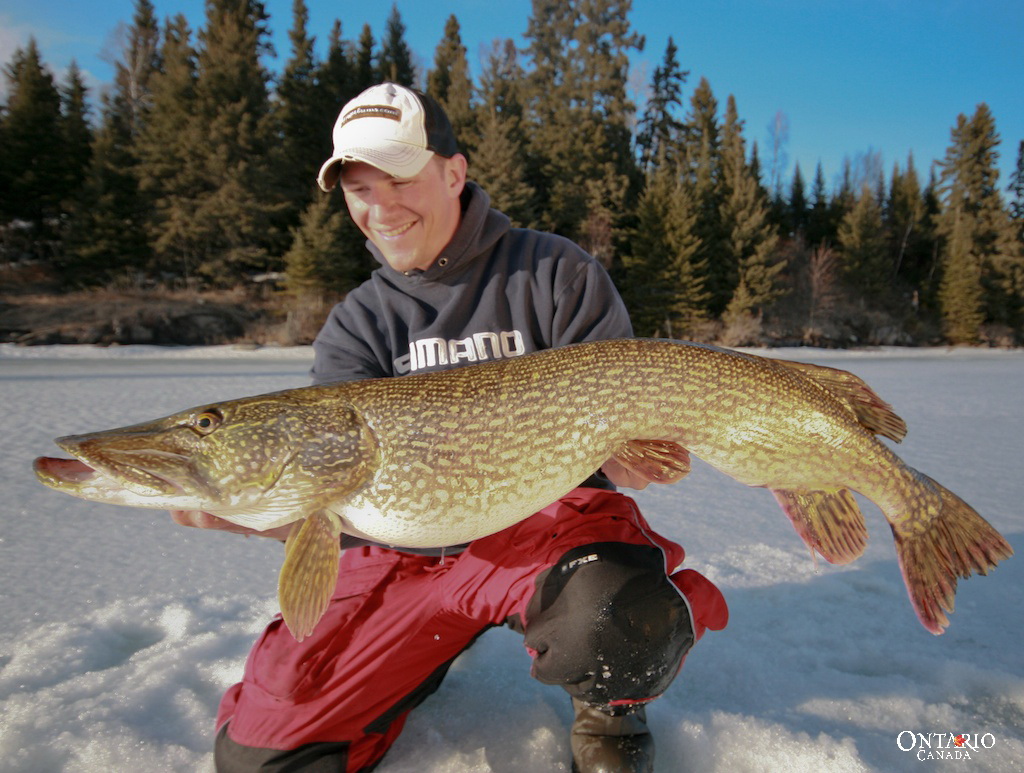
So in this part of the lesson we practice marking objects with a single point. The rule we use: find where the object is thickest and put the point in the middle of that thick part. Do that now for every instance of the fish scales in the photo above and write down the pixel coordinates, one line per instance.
(438, 459)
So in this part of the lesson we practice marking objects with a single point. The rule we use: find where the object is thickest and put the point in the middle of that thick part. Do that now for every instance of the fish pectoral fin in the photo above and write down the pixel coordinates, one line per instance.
(309, 573)
(659, 461)
(829, 522)
(872, 412)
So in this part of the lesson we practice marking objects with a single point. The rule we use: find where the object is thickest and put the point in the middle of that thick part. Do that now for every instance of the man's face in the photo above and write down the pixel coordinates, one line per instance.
(410, 220)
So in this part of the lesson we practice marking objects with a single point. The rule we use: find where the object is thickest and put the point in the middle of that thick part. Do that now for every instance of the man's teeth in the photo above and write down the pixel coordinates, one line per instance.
(395, 231)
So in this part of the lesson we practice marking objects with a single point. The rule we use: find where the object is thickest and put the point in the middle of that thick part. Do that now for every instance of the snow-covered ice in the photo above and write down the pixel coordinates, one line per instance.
(121, 629)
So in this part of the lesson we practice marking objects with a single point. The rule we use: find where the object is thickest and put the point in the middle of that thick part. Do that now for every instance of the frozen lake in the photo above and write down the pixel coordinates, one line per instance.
(122, 629)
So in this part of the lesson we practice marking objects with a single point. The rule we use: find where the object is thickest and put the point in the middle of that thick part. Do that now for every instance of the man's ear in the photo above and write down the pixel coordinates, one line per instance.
(455, 174)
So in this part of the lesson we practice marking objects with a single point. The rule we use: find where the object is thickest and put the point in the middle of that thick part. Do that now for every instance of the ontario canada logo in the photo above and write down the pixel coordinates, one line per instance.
(944, 746)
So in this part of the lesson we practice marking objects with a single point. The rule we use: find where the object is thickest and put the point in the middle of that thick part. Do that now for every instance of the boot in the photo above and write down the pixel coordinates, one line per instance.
(607, 742)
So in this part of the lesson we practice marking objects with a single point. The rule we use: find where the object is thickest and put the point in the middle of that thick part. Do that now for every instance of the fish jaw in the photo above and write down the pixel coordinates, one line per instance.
(79, 479)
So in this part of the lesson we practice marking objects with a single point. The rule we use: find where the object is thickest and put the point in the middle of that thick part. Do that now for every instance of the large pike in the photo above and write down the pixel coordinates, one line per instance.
(439, 459)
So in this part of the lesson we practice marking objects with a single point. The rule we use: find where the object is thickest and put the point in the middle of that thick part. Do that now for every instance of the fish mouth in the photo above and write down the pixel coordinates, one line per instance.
(66, 472)
(102, 478)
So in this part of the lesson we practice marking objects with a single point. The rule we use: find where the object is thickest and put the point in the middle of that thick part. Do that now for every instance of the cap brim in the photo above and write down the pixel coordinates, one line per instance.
(397, 161)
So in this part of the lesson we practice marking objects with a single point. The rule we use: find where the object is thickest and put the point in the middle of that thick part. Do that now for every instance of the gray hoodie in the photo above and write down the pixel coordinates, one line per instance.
(494, 292)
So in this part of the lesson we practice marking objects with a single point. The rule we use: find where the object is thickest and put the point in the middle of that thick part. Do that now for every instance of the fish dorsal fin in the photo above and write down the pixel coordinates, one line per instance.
(309, 573)
(873, 413)
(659, 461)
(828, 522)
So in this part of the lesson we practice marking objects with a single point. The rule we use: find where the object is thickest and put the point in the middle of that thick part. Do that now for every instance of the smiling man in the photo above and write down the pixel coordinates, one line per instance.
(605, 612)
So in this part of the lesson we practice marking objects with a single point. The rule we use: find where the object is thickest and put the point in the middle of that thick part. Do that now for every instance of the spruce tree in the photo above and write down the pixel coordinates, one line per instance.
(394, 63)
(663, 277)
(170, 155)
(107, 231)
(449, 83)
(580, 117)
(659, 129)
(820, 228)
(907, 228)
(300, 121)
(502, 164)
(317, 263)
(335, 85)
(1016, 190)
(980, 245)
(497, 167)
(34, 161)
(75, 130)
(138, 63)
(365, 74)
(235, 210)
(703, 174)
(750, 240)
(866, 266)
(798, 204)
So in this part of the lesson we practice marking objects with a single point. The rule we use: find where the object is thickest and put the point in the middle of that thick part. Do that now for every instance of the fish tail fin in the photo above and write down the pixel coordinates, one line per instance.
(309, 573)
(829, 522)
(954, 542)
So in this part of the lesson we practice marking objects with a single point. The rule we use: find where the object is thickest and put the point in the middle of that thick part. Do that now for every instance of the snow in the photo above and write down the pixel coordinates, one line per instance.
(121, 629)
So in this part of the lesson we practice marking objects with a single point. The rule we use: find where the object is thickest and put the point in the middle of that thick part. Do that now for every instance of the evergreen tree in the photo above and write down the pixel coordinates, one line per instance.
(75, 131)
(449, 83)
(982, 261)
(663, 276)
(394, 64)
(170, 156)
(33, 160)
(580, 116)
(139, 62)
(1016, 189)
(498, 168)
(502, 164)
(797, 204)
(659, 129)
(703, 174)
(907, 227)
(750, 240)
(318, 263)
(300, 122)
(865, 255)
(820, 228)
(365, 74)
(335, 86)
(107, 231)
(109, 219)
(234, 211)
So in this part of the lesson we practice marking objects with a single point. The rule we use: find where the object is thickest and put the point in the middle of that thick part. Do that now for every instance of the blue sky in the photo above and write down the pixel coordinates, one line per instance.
(853, 78)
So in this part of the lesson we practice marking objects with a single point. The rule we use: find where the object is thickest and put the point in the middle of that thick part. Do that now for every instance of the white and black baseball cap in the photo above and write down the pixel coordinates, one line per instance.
(391, 127)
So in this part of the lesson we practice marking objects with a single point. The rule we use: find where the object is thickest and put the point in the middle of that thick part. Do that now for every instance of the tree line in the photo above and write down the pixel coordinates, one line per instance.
(198, 166)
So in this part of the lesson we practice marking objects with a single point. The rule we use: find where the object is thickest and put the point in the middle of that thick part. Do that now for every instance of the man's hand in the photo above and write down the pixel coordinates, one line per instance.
(622, 476)
(201, 520)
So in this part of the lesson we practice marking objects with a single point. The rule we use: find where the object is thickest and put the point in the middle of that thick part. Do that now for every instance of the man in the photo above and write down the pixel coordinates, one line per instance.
(586, 579)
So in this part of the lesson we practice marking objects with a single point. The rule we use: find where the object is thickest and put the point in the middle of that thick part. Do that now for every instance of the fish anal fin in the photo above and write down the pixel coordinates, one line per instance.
(829, 522)
(872, 412)
(659, 461)
(309, 573)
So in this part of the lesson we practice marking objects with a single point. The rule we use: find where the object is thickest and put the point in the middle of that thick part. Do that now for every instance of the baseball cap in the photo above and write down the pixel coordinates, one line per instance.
(391, 127)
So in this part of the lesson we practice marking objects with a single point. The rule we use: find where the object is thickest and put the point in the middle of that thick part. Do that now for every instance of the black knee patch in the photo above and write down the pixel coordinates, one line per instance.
(607, 624)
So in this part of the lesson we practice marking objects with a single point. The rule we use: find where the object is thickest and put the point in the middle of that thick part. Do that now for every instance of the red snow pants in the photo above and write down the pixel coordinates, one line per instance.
(398, 620)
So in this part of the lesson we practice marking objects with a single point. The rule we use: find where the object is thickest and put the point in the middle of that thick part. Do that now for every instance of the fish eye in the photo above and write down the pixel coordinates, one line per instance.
(206, 422)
